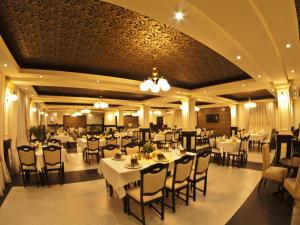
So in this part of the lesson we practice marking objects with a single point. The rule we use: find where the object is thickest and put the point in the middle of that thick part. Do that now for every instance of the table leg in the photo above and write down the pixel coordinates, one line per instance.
(125, 204)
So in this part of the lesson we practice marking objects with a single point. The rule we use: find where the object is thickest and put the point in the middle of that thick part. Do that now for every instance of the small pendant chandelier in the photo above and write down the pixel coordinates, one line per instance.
(250, 104)
(155, 83)
(85, 111)
(101, 104)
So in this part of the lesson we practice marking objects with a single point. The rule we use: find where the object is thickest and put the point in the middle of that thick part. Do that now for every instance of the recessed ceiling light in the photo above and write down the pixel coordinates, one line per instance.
(238, 57)
(179, 16)
(97, 81)
(259, 76)
(5, 65)
(41, 76)
(243, 85)
(204, 91)
(288, 45)
(26, 88)
(31, 95)
(292, 71)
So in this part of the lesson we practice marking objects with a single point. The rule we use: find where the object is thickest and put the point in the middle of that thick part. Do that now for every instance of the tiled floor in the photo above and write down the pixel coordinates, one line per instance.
(87, 203)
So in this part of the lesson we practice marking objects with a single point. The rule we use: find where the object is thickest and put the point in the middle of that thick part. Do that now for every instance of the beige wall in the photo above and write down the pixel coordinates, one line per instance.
(57, 117)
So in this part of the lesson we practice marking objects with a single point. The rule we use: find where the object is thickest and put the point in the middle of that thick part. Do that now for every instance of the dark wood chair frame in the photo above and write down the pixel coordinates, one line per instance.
(127, 137)
(240, 158)
(60, 169)
(156, 168)
(113, 138)
(131, 145)
(24, 172)
(90, 152)
(175, 193)
(194, 182)
(53, 141)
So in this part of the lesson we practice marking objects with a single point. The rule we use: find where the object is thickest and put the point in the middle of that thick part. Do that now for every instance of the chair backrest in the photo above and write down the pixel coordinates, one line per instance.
(207, 133)
(111, 141)
(126, 140)
(183, 167)
(212, 131)
(52, 155)
(153, 179)
(176, 135)
(54, 141)
(132, 148)
(202, 161)
(92, 144)
(266, 161)
(110, 151)
(202, 133)
(26, 155)
(136, 134)
(168, 136)
(152, 135)
(244, 145)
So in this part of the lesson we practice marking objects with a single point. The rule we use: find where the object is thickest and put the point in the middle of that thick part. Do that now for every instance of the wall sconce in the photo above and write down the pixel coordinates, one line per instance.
(157, 112)
(42, 112)
(197, 109)
(283, 97)
(34, 109)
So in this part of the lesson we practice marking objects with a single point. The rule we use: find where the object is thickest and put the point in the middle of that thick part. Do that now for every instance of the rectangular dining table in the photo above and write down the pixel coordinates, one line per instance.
(117, 175)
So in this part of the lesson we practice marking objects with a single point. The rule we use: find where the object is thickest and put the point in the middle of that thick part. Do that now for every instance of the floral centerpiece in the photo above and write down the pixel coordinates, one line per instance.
(148, 149)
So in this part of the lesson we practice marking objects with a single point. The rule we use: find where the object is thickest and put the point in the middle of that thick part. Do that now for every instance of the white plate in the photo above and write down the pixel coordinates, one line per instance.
(128, 166)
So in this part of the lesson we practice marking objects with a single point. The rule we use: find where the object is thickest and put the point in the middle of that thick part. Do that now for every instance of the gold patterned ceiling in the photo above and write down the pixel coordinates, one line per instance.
(96, 37)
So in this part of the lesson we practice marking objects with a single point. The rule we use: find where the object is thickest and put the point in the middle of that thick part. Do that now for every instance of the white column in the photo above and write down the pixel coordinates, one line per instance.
(144, 117)
(284, 109)
(188, 114)
(233, 115)
(120, 117)
(296, 112)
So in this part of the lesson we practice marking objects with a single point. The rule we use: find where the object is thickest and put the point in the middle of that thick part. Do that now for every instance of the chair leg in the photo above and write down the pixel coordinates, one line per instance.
(261, 180)
(143, 214)
(205, 186)
(187, 195)
(23, 177)
(194, 191)
(173, 201)
(36, 179)
(162, 213)
(128, 206)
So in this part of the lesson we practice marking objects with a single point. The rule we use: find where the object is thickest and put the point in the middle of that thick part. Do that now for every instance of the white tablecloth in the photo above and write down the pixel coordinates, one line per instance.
(228, 145)
(161, 137)
(82, 143)
(118, 176)
(63, 138)
(40, 159)
(258, 137)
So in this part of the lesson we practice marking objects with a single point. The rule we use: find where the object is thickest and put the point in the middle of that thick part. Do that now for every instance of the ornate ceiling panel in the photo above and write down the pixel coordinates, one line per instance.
(90, 93)
(96, 37)
(75, 104)
(254, 95)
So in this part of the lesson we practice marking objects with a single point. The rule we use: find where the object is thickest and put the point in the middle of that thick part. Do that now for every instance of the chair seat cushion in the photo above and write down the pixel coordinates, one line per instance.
(136, 194)
(176, 186)
(198, 176)
(53, 166)
(275, 173)
(28, 167)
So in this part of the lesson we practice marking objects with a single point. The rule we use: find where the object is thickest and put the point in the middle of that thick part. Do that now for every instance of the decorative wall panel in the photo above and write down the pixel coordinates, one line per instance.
(222, 127)
(69, 121)
(96, 37)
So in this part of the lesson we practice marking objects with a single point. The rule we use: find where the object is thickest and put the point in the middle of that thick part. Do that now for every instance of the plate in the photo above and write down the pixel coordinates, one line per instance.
(128, 166)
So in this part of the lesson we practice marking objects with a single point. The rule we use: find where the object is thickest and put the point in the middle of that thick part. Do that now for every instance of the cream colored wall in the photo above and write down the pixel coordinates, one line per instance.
(57, 117)
(109, 117)
(296, 112)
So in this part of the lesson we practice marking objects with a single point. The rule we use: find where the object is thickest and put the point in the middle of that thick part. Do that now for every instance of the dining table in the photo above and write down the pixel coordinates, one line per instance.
(64, 138)
(118, 174)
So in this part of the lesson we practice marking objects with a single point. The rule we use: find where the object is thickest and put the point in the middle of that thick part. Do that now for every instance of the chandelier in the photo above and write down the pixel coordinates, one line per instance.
(101, 104)
(75, 114)
(155, 83)
(85, 111)
(250, 104)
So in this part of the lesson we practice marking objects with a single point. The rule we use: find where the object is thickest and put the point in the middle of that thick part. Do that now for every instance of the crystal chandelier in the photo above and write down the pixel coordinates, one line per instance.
(250, 104)
(101, 104)
(85, 111)
(155, 83)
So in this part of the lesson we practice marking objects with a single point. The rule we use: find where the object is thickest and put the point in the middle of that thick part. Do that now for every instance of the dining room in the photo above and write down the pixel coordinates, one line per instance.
(149, 112)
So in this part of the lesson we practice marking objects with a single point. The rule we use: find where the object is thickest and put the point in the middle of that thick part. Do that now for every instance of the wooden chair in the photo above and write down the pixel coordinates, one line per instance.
(52, 161)
(238, 157)
(54, 141)
(274, 173)
(109, 151)
(151, 191)
(180, 179)
(132, 148)
(136, 136)
(176, 136)
(27, 162)
(200, 171)
(125, 140)
(168, 138)
(292, 186)
(92, 149)
(111, 140)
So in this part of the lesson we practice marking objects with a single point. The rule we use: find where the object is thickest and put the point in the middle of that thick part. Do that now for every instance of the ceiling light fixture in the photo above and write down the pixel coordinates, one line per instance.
(75, 114)
(259, 76)
(238, 57)
(100, 104)
(197, 109)
(250, 104)
(5, 65)
(155, 83)
(243, 85)
(292, 71)
(179, 16)
(13, 97)
(85, 111)
(288, 45)
(33, 109)
(98, 81)
(41, 76)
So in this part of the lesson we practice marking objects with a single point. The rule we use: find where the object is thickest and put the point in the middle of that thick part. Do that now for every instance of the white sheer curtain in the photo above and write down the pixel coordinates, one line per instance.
(4, 175)
(262, 118)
